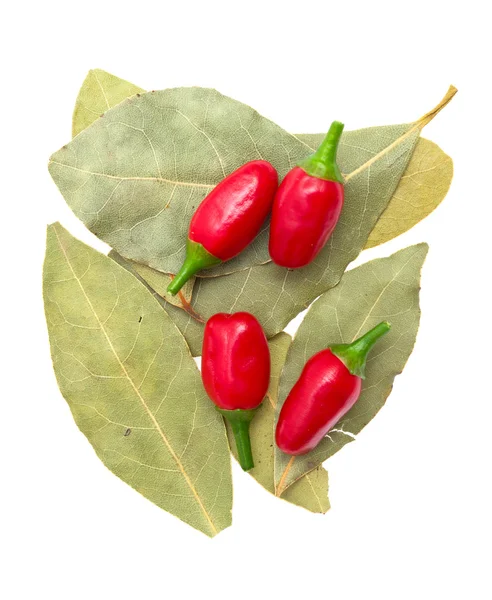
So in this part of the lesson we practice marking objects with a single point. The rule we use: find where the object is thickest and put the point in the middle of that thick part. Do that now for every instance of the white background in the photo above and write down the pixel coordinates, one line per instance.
(411, 498)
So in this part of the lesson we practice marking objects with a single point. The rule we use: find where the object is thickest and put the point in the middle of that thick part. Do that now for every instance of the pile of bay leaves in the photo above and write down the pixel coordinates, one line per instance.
(135, 171)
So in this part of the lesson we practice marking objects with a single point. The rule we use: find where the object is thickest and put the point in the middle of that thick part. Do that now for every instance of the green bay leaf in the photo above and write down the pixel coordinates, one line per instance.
(382, 289)
(310, 491)
(132, 385)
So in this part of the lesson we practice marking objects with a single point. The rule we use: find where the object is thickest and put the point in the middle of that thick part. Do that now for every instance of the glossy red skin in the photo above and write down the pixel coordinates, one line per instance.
(231, 216)
(235, 361)
(305, 212)
(324, 392)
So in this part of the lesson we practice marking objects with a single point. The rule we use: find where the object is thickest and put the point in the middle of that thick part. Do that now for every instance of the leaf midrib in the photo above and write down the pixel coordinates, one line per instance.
(94, 73)
(318, 499)
(347, 176)
(131, 178)
(382, 292)
(140, 397)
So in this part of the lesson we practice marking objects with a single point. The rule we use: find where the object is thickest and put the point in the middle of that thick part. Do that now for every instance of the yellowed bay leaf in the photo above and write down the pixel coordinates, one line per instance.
(132, 386)
(422, 188)
(100, 91)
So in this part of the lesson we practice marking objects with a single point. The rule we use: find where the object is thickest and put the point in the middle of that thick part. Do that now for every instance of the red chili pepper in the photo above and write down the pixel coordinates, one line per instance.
(328, 387)
(307, 205)
(228, 219)
(236, 373)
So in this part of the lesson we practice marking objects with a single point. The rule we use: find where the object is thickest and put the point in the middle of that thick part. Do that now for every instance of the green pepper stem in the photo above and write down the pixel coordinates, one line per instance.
(327, 152)
(239, 421)
(322, 163)
(188, 269)
(354, 355)
(197, 258)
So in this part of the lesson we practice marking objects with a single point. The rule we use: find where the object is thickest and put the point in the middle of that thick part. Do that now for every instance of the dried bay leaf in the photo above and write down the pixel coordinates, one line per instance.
(169, 165)
(100, 91)
(191, 329)
(310, 491)
(422, 188)
(382, 289)
(185, 320)
(132, 386)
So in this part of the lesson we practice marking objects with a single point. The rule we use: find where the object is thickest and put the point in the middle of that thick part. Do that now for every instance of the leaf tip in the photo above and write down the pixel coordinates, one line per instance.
(56, 228)
(96, 72)
(52, 225)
